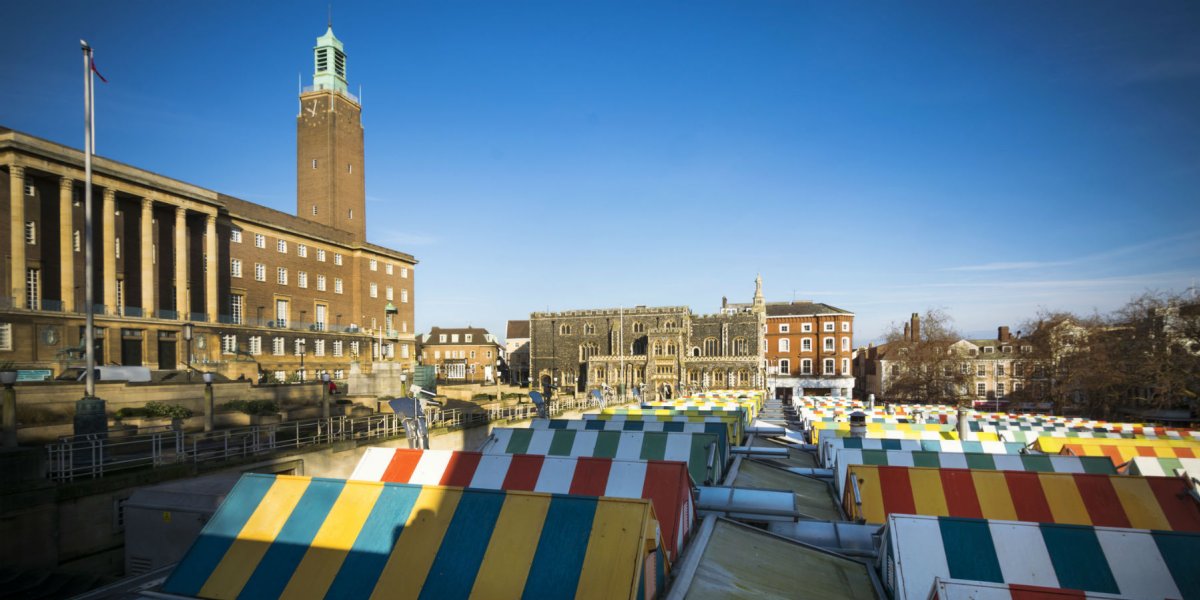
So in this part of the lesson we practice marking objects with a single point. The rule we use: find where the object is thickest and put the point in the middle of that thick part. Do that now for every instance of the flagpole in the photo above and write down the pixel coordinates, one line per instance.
(89, 147)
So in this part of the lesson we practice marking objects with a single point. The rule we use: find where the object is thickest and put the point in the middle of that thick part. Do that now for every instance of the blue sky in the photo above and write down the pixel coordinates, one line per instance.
(990, 158)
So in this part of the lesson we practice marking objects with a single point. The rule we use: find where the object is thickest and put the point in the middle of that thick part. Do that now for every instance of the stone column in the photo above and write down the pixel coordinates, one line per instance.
(147, 233)
(181, 264)
(210, 269)
(16, 189)
(108, 215)
(66, 242)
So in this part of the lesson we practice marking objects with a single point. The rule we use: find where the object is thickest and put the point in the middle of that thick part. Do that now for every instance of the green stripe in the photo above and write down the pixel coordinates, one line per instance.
(1101, 465)
(654, 446)
(518, 441)
(562, 442)
(970, 552)
(606, 444)
(981, 461)
(874, 457)
(1037, 462)
(698, 461)
(1179, 551)
(926, 459)
(1078, 559)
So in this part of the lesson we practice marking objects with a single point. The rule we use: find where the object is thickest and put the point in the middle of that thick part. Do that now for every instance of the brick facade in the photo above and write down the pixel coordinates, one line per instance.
(810, 349)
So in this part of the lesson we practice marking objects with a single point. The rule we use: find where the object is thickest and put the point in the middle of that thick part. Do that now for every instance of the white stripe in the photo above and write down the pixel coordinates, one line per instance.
(539, 424)
(585, 443)
(556, 475)
(1067, 464)
(954, 446)
(679, 447)
(842, 460)
(627, 479)
(373, 464)
(952, 460)
(491, 471)
(630, 446)
(1008, 462)
(540, 442)
(919, 556)
(1136, 563)
(502, 436)
(901, 458)
(1022, 553)
(430, 468)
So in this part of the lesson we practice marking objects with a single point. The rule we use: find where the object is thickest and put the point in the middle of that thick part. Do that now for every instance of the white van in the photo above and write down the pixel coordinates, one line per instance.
(131, 374)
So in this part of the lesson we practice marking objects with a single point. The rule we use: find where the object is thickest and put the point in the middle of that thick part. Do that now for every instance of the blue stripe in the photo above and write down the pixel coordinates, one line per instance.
(218, 535)
(596, 424)
(373, 546)
(1179, 551)
(638, 425)
(294, 539)
(1078, 558)
(558, 424)
(558, 561)
(457, 562)
(673, 426)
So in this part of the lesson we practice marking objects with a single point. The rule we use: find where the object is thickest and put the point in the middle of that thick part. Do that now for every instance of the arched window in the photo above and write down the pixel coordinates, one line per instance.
(785, 345)
(589, 328)
(587, 351)
(670, 349)
(657, 349)
(718, 377)
(638, 346)
(668, 324)
(696, 351)
(710, 346)
(743, 377)
(564, 329)
(740, 347)
(639, 327)
(693, 376)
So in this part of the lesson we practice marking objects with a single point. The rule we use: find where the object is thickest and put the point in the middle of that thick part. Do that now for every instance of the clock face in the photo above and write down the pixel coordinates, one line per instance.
(312, 108)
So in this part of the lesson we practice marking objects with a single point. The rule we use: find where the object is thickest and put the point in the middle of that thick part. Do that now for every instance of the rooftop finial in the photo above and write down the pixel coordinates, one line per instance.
(330, 22)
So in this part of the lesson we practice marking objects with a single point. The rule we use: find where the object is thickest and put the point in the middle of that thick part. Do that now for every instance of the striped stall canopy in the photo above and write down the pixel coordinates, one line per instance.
(1041, 463)
(737, 426)
(721, 430)
(961, 589)
(751, 410)
(1150, 466)
(1054, 445)
(830, 447)
(665, 484)
(823, 435)
(691, 448)
(284, 536)
(1064, 498)
(1031, 435)
(1136, 563)
(1122, 451)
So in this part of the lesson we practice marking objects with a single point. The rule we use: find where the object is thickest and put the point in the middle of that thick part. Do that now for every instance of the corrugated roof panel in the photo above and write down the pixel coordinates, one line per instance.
(279, 536)
(813, 497)
(1065, 498)
(665, 483)
(1131, 562)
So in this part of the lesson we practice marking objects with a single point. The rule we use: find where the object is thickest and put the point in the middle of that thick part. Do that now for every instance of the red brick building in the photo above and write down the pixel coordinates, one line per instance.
(809, 349)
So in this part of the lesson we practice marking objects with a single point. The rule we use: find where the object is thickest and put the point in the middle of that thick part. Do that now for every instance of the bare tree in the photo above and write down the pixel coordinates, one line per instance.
(924, 365)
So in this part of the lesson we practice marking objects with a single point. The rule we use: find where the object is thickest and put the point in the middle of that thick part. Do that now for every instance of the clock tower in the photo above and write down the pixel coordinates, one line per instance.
(330, 185)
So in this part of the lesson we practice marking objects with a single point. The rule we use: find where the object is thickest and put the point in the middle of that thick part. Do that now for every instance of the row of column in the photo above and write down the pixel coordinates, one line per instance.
(109, 264)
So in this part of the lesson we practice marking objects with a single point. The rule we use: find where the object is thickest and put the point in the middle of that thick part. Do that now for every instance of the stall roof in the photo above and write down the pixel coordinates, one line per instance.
(813, 497)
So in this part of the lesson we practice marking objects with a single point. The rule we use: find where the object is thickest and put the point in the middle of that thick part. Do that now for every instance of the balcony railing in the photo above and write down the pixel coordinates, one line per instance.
(164, 313)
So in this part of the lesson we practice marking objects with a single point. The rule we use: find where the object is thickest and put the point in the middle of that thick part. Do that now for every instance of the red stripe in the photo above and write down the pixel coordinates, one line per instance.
(896, 490)
(959, 489)
(1145, 451)
(1028, 498)
(1184, 452)
(1101, 501)
(400, 469)
(1020, 591)
(461, 469)
(666, 483)
(591, 476)
(523, 472)
(1182, 511)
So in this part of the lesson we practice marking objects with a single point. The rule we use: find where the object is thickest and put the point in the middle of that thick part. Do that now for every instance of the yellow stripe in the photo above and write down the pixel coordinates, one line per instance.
(243, 556)
(928, 496)
(1066, 505)
(509, 555)
(404, 574)
(995, 499)
(1052, 445)
(609, 569)
(1140, 503)
(333, 541)
(870, 491)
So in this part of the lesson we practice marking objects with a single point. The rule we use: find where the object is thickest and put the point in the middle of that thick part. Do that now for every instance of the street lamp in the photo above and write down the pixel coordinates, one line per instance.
(188, 331)
(208, 401)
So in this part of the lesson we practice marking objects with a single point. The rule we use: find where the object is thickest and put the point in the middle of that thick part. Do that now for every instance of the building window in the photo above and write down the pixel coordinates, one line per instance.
(337, 259)
(404, 351)
(785, 345)
(373, 264)
(639, 327)
(980, 370)
(6, 340)
(981, 390)
(229, 344)
(314, 161)
(235, 235)
(404, 295)
(354, 349)
(117, 248)
(318, 347)
(740, 347)
(845, 344)
(845, 366)
(301, 279)
(77, 241)
(281, 246)
(281, 313)
(785, 366)
(260, 240)
(387, 293)
(829, 326)
(989, 349)
(441, 338)
(277, 346)
(337, 285)
(255, 345)
(710, 346)
(999, 370)
(828, 344)
(320, 255)
(1016, 387)
(320, 283)
(235, 267)
(281, 276)
(806, 328)
(806, 345)
(302, 250)
(373, 290)
(237, 308)
(785, 328)
(437, 355)
(260, 272)
(564, 329)
(387, 268)
(30, 233)
(32, 279)
(828, 370)
(999, 390)
(845, 325)
(966, 368)
(589, 328)
(468, 337)
(350, 214)
(404, 272)
(337, 347)
(299, 346)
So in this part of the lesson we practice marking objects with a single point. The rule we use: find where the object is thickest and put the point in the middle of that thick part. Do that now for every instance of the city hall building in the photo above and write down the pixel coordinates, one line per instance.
(267, 294)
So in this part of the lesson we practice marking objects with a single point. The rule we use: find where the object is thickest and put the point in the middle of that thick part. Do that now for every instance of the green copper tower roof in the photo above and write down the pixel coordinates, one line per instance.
(329, 63)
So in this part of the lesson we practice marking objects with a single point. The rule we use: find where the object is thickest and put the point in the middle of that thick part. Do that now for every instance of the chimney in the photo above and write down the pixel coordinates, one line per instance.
(916, 327)
(724, 301)
(907, 335)
(1003, 334)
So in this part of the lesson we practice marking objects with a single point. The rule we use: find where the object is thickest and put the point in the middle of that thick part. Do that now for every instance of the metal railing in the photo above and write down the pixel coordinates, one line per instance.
(93, 456)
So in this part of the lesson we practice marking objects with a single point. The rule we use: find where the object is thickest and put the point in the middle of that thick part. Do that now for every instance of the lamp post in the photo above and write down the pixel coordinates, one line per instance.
(325, 395)
(8, 378)
(188, 331)
(209, 408)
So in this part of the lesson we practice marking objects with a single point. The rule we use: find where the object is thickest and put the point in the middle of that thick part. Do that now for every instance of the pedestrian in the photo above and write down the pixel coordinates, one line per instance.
(332, 387)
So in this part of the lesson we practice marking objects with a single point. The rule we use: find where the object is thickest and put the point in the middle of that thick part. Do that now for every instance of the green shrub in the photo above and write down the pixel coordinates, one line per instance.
(252, 407)
(482, 398)
(155, 410)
